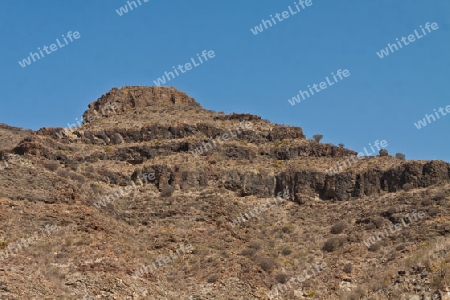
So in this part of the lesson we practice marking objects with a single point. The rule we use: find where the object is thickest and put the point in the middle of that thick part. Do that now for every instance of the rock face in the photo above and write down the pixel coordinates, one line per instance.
(264, 144)
(10, 136)
(137, 97)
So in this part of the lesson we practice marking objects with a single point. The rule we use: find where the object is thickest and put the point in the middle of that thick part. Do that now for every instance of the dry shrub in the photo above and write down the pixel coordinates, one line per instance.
(391, 210)
(76, 177)
(286, 251)
(63, 173)
(266, 263)
(348, 268)
(213, 278)
(400, 156)
(73, 167)
(317, 137)
(407, 187)
(441, 274)
(282, 278)
(379, 222)
(333, 244)
(51, 165)
(383, 152)
(339, 227)
(286, 229)
(375, 247)
(3, 245)
(351, 295)
(167, 191)
(249, 252)
(400, 247)
(427, 202)
(96, 188)
(255, 245)
(434, 211)
(370, 226)
(439, 196)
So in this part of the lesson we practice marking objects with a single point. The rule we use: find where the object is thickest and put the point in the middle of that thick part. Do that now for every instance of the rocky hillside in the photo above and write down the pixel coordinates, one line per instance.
(155, 197)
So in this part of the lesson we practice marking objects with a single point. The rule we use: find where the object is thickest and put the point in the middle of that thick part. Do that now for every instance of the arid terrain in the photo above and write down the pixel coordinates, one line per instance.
(128, 189)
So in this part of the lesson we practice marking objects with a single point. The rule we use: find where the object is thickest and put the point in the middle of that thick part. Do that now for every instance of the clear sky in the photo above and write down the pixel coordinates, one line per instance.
(381, 99)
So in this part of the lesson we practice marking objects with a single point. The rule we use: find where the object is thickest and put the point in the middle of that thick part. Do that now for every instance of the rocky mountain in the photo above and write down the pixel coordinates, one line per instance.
(155, 197)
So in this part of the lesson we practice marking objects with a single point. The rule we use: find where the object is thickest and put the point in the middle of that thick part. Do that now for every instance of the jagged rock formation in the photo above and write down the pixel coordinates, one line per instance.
(145, 138)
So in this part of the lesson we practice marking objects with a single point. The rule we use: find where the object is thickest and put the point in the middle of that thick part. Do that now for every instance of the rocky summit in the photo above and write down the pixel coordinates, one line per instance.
(154, 197)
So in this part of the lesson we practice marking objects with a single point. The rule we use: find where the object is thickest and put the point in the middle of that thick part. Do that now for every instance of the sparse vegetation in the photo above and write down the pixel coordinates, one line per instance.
(341, 146)
(310, 294)
(282, 278)
(379, 222)
(439, 196)
(286, 251)
(383, 152)
(441, 274)
(255, 245)
(375, 247)
(249, 252)
(51, 165)
(213, 278)
(67, 174)
(348, 268)
(370, 226)
(167, 190)
(339, 227)
(3, 245)
(286, 229)
(317, 137)
(427, 202)
(400, 156)
(76, 177)
(279, 143)
(434, 211)
(333, 244)
(278, 164)
(266, 263)
(391, 210)
(407, 187)
(63, 173)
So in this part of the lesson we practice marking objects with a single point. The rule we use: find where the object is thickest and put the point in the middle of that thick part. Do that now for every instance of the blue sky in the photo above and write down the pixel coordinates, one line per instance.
(380, 100)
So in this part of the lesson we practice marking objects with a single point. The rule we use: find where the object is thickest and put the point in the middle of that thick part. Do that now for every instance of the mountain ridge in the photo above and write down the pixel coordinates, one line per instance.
(76, 180)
